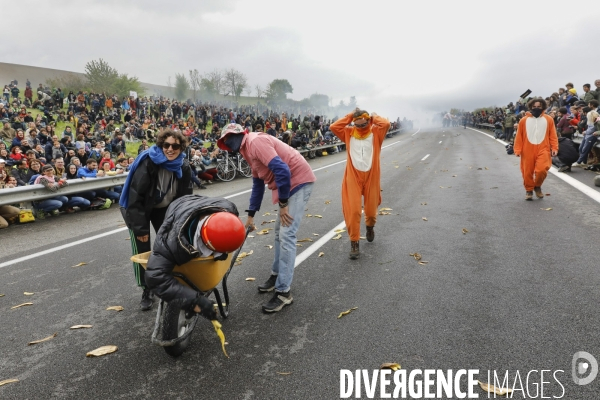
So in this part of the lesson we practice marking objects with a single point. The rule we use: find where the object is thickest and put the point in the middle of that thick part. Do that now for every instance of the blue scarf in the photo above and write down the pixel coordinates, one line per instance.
(158, 157)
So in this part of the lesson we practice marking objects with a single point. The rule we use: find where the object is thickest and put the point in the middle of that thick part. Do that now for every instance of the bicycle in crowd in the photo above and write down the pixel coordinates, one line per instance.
(228, 166)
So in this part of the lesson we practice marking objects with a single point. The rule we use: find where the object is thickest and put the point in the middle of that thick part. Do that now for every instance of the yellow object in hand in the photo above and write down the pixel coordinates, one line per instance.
(220, 334)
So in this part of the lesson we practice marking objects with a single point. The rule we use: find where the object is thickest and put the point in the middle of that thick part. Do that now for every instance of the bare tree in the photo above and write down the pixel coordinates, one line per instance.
(216, 79)
(234, 82)
(259, 91)
(169, 83)
(194, 80)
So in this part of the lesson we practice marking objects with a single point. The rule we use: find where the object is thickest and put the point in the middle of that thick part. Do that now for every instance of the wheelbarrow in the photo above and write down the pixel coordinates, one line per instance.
(173, 326)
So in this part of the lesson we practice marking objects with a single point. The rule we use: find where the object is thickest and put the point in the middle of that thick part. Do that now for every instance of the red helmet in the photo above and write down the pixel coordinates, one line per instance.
(223, 232)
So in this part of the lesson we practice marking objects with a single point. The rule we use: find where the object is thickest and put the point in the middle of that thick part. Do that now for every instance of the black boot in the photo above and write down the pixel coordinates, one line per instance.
(370, 233)
(354, 250)
(269, 285)
(147, 300)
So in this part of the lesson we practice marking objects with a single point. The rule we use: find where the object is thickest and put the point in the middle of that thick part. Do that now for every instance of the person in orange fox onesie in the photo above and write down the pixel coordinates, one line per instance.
(536, 143)
(362, 177)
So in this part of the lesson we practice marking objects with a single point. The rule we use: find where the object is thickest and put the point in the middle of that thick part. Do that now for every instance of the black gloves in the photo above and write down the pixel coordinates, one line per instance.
(207, 308)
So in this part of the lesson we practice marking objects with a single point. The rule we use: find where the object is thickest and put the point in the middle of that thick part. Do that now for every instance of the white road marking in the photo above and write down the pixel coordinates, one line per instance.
(318, 244)
(425, 158)
(301, 257)
(58, 248)
(582, 187)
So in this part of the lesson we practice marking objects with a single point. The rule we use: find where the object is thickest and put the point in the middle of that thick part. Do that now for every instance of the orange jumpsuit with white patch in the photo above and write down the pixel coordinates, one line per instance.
(362, 177)
(536, 138)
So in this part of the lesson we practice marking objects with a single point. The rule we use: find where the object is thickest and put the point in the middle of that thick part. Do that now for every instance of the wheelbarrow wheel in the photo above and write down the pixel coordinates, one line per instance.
(175, 325)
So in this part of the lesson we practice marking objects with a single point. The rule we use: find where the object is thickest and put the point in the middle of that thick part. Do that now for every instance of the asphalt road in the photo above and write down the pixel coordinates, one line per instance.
(517, 292)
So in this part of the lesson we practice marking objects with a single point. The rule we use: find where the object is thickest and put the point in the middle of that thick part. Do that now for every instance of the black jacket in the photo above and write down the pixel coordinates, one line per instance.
(141, 194)
(567, 153)
(173, 245)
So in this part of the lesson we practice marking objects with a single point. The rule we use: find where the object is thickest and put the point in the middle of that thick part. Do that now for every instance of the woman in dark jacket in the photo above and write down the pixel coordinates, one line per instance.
(158, 176)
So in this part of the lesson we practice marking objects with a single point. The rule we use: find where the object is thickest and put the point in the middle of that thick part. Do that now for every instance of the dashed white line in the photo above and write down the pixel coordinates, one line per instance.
(425, 158)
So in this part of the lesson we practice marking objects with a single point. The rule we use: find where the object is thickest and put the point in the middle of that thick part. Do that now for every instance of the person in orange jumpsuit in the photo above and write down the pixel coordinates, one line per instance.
(362, 177)
(536, 143)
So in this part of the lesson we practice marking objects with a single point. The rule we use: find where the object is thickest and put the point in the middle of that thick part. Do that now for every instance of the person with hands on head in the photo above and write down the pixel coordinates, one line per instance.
(363, 135)
(536, 143)
(194, 226)
(158, 176)
(291, 180)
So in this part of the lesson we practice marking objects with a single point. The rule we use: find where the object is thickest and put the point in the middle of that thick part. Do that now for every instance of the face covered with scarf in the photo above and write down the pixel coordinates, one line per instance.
(362, 123)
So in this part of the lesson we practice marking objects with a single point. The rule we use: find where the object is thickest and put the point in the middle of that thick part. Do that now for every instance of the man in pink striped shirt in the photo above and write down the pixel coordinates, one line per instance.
(291, 181)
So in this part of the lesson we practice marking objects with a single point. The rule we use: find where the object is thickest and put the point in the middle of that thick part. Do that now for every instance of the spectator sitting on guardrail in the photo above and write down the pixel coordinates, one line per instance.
(49, 205)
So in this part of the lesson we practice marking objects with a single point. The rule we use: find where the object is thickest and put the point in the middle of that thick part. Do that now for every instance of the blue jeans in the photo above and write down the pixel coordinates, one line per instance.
(51, 204)
(585, 147)
(285, 240)
(108, 194)
(76, 201)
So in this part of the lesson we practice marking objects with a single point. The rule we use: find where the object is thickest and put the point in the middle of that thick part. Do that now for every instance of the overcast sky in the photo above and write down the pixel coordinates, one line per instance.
(395, 56)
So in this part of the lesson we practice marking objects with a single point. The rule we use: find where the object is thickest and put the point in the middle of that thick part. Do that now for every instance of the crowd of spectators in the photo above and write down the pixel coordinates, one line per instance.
(98, 128)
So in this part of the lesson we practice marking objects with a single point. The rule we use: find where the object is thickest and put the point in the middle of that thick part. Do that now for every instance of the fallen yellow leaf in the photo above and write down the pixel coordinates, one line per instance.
(237, 264)
(250, 279)
(267, 213)
(336, 237)
(1, 295)
(80, 326)
(465, 231)
(392, 366)
(79, 265)
(493, 389)
(321, 254)
(21, 305)
(7, 381)
(347, 312)
(385, 209)
(546, 209)
(28, 293)
(298, 245)
(264, 231)
(43, 340)
(339, 230)
(115, 308)
(127, 238)
(424, 219)
(101, 351)
(363, 238)
(309, 215)
(220, 334)
(327, 201)
(423, 204)
(315, 234)
(250, 236)
(318, 216)
(284, 373)
(269, 246)
(423, 262)
(305, 240)
(384, 213)
(416, 256)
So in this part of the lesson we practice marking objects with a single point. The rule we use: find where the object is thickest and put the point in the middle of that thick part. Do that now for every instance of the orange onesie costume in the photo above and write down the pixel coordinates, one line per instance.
(536, 138)
(362, 177)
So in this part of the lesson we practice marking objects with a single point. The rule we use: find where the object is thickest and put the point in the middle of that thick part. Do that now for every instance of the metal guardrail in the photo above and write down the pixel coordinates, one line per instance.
(38, 192)
(339, 143)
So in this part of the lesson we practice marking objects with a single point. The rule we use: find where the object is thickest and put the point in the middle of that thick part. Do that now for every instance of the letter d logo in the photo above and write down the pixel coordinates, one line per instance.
(584, 362)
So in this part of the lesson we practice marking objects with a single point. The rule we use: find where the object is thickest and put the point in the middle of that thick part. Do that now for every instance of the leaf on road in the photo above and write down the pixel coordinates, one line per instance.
(305, 240)
(315, 234)
(128, 238)
(21, 305)
(384, 213)
(336, 237)
(42, 340)
(264, 231)
(424, 219)
(220, 334)
(243, 255)
(80, 326)
(28, 293)
(308, 215)
(101, 351)
(416, 256)
(115, 308)
(347, 312)
(339, 230)
(321, 254)
(317, 216)
(250, 279)
(298, 245)
(250, 236)
(284, 373)
(327, 201)
(237, 264)
(423, 204)
(269, 246)
(546, 209)
(267, 213)
(465, 231)
(267, 222)
(7, 381)
(486, 167)
(363, 238)
(81, 264)
(1, 295)
(392, 366)
(385, 209)
(454, 176)
(493, 389)
(423, 262)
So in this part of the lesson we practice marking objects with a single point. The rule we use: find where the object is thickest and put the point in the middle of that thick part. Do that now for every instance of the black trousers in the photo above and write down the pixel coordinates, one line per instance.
(157, 217)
